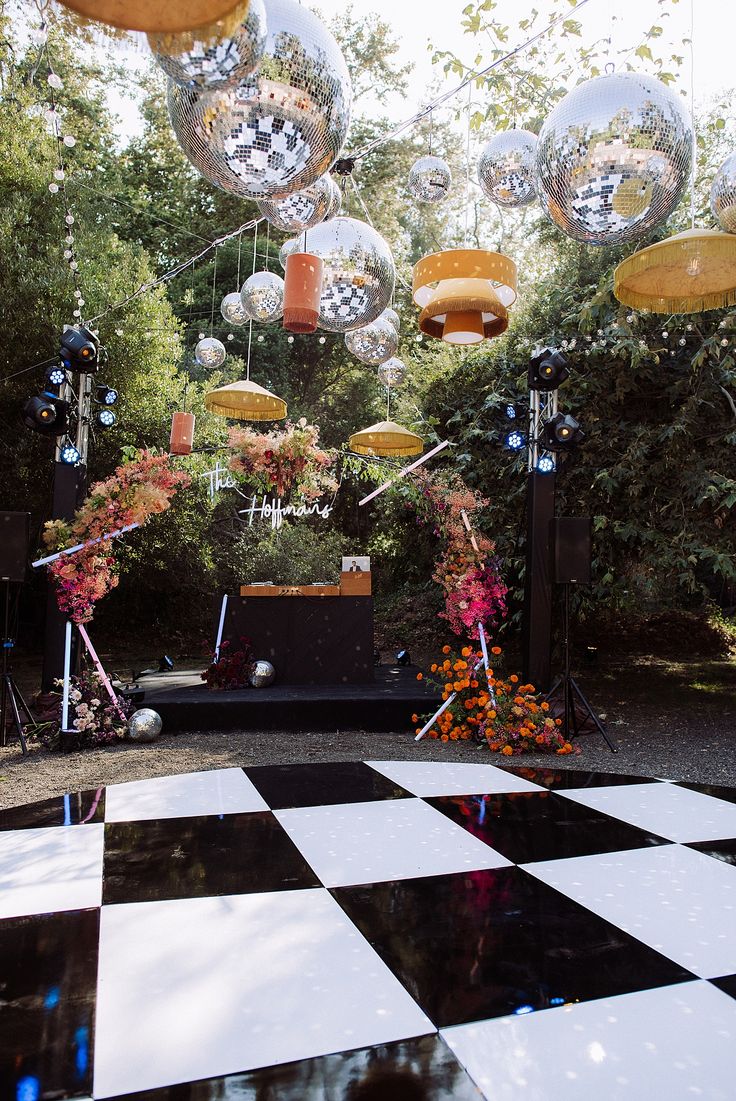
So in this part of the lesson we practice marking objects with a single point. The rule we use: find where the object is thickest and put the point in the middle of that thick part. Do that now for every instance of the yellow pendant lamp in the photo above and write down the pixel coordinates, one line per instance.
(688, 273)
(245, 401)
(464, 294)
(386, 439)
(210, 17)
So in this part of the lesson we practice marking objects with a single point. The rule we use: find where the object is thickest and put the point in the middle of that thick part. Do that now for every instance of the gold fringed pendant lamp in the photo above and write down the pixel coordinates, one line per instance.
(386, 439)
(688, 273)
(245, 401)
(208, 17)
(464, 294)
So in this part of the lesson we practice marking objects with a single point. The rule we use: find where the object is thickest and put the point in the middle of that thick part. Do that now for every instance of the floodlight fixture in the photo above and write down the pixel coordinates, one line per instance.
(56, 376)
(105, 395)
(547, 369)
(515, 440)
(545, 464)
(561, 433)
(79, 349)
(105, 418)
(46, 413)
(69, 454)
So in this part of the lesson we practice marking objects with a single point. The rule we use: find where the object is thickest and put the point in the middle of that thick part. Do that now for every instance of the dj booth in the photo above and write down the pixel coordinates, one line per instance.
(312, 634)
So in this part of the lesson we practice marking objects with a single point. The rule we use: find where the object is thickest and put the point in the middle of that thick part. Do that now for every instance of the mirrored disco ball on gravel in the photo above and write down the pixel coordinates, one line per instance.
(210, 353)
(294, 244)
(723, 195)
(283, 128)
(613, 158)
(144, 725)
(217, 63)
(429, 180)
(262, 296)
(374, 343)
(392, 372)
(358, 276)
(506, 168)
(233, 310)
(302, 209)
(262, 674)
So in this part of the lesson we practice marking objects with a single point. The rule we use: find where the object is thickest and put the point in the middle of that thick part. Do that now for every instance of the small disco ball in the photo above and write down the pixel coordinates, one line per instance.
(613, 158)
(335, 203)
(262, 674)
(279, 130)
(144, 725)
(294, 244)
(506, 168)
(210, 353)
(391, 315)
(392, 372)
(723, 195)
(233, 310)
(429, 179)
(262, 296)
(217, 63)
(374, 343)
(358, 274)
(301, 210)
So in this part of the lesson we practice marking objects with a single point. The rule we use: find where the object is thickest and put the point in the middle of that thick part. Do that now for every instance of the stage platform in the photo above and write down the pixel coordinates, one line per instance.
(185, 703)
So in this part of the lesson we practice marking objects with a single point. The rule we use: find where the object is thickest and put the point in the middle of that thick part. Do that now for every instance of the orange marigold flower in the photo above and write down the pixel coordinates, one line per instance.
(457, 686)
(445, 649)
(539, 739)
(448, 687)
(507, 751)
(466, 651)
(444, 738)
(514, 679)
(491, 714)
(433, 668)
(420, 676)
(558, 722)
(455, 735)
(415, 718)
(544, 705)
(474, 684)
(495, 649)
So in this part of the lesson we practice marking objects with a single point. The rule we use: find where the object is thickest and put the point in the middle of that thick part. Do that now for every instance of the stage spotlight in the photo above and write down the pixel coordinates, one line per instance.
(547, 370)
(515, 440)
(105, 418)
(403, 657)
(46, 414)
(79, 349)
(561, 433)
(68, 454)
(545, 464)
(166, 664)
(511, 412)
(105, 395)
(56, 376)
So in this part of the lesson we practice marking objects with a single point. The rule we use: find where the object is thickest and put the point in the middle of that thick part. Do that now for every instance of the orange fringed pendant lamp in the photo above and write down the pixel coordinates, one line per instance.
(208, 17)
(688, 273)
(386, 439)
(245, 401)
(181, 440)
(302, 292)
(464, 294)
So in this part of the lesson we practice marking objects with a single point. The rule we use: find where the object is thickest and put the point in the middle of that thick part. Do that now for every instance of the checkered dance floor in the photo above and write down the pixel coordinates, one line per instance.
(341, 932)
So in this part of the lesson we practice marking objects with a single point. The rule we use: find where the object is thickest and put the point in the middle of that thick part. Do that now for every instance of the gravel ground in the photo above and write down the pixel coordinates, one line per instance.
(673, 720)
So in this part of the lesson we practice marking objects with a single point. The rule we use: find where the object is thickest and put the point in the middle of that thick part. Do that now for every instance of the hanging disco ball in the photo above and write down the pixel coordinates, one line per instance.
(392, 372)
(301, 210)
(358, 275)
(391, 315)
(233, 310)
(506, 168)
(429, 179)
(335, 203)
(217, 63)
(294, 244)
(613, 158)
(723, 195)
(210, 353)
(374, 343)
(280, 130)
(262, 296)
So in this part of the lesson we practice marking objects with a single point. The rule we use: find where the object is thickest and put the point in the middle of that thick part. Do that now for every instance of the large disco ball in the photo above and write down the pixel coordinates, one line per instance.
(723, 195)
(283, 128)
(302, 209)
(506, 168)
(217, 62)
(233, 310)
(429, 179)
(262, 296)
(294, 244)
(374, 343)
(144, 725)
(613, 158)
(392, 372)
(262, 674)
(210, 352)
(358, 274)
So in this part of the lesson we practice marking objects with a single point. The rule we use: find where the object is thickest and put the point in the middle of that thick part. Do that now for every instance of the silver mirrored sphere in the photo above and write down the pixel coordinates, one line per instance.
(262, 674)
(144, 725)
(335, 204)
(392, 372)
(391, 315)
(210, 352)
(374, 343)
(233, 310)
(723, 195)
(262, 296)
(283, 128)
(294, 244)
(429, 180)
(217, 62)
(613, 158)
(301, 210)
(506, 168)
(358, 274)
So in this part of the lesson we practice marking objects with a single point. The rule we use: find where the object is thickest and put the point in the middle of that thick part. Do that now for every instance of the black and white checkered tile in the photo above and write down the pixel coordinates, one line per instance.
(371, 930)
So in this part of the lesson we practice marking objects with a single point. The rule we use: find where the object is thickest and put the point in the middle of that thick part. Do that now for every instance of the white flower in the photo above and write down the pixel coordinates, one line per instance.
(94, 703)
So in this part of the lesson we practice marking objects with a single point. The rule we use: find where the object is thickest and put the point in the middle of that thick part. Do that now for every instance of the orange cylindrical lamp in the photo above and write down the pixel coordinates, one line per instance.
(464, 327)
(302, 292)
(181, 440)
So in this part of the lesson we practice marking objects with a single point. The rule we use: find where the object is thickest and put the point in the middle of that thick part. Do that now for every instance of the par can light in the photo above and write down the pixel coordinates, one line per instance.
(105, 395)
(545, 464)
(56, 376)
(69, 455)
(105, 418)
(515, 440)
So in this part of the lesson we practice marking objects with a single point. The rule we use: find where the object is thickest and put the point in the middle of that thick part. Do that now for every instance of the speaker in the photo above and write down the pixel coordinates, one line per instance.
(571, 539)
(14, 543)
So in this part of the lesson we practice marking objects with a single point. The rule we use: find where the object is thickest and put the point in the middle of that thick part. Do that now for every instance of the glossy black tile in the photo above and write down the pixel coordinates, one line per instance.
(195, 857)
(411, 1070)
(48, 979)
(64, 810)
(528, 826)
(722, 850)
(559, 778)
(494, 942)
(322, 784)
(727, 983)
(716, 790)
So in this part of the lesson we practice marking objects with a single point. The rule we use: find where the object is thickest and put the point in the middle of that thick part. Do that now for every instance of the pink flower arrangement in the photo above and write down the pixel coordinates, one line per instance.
(283, 459)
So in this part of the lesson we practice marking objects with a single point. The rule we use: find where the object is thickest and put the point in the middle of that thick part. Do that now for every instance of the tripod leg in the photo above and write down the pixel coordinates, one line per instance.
(21, 700)
(16, 716)
(575, 687)
(3, 711)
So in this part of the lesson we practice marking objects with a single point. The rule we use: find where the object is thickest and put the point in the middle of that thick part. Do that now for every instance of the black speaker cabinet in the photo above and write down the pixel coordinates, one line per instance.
(14, 540)
(571, 539)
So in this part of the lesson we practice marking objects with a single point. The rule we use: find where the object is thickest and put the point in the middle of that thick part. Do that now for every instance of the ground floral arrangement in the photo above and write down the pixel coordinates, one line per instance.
(231, 668)
(94, 717)
(284, 459)
(496, 710)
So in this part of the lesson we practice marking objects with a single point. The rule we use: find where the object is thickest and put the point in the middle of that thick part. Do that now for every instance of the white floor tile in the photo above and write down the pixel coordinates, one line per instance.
(675, 899)
(676, 1042)
(221, 791)
(386, 839)
(202, 987)
(48, 869)
(675, 813)
(427, 778)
